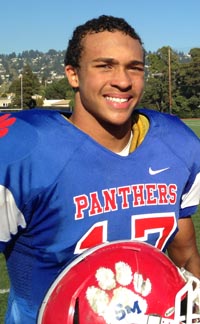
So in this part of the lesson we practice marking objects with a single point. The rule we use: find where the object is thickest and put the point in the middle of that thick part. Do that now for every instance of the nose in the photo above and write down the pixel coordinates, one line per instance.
(121, 79)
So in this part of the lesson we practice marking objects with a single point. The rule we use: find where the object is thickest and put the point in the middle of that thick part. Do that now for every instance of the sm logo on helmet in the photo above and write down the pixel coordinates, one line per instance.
(121, 311)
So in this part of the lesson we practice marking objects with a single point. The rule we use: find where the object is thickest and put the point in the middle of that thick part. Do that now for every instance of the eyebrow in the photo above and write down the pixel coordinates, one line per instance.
(113, 61)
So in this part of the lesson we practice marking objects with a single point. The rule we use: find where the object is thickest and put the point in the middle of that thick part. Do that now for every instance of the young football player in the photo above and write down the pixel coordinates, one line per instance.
(109, 172)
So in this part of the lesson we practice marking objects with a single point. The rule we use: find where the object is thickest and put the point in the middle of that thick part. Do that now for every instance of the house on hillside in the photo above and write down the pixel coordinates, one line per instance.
(5, 102)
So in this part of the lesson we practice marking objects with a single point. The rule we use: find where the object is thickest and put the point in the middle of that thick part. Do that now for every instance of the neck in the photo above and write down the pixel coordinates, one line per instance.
(113, 137)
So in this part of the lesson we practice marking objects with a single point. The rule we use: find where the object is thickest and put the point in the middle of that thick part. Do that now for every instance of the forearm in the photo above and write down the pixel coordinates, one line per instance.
(183, 250)
(190, 263)
(193, 265)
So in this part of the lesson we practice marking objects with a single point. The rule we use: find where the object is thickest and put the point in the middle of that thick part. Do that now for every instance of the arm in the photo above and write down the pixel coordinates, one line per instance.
(183, 249)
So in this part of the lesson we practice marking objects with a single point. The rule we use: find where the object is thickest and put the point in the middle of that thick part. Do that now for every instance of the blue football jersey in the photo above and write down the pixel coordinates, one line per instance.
(61, 193)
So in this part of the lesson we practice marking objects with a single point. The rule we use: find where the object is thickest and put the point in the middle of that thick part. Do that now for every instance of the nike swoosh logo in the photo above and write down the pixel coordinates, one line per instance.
(154, 172)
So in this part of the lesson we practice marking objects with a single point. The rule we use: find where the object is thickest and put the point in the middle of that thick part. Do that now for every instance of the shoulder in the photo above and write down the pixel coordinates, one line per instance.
(158, 117)
(37, 140)
(32, 151)
(170, 132)
(169, 125)
(21, 132)
(36, 118)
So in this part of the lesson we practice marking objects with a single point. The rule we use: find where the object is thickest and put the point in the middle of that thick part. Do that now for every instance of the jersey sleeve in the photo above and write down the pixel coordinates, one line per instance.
(11, 217)
(29, 166)
(18, 140)
(184, 145)
(191, 194)
(191, 197)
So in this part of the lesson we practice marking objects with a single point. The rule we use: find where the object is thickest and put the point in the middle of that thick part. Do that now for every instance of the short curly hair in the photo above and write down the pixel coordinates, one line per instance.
(96, 25)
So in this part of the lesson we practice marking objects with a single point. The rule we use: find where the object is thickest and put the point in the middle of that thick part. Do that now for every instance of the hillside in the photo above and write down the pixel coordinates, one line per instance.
(47, 66)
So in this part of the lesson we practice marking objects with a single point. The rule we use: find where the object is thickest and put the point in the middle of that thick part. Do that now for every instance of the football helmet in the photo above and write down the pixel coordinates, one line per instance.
(117, 283)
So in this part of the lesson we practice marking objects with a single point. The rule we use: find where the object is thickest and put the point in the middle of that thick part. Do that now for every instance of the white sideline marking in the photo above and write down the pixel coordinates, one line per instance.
(4, 291)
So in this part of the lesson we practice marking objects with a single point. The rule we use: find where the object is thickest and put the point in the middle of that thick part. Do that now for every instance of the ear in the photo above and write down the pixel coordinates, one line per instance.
(72, 76)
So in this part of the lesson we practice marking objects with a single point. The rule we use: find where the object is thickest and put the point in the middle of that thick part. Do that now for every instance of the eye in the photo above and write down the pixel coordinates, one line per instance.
(139, 68)
(104, 66)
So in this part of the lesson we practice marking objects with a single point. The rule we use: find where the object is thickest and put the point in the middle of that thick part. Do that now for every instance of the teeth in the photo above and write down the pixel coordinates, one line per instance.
(119, 100)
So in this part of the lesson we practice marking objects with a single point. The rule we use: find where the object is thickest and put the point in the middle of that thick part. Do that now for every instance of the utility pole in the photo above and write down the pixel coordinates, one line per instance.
(21, 76)
(169, 80)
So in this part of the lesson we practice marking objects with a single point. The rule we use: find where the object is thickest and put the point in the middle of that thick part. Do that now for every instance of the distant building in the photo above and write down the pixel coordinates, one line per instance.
(57, 104)
(5, 102)
(64, 103)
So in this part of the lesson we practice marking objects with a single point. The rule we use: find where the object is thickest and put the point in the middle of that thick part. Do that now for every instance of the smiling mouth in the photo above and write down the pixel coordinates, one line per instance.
(117, 100)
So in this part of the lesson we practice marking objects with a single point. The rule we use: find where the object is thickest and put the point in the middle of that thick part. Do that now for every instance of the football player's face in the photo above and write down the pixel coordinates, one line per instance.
(111, 76)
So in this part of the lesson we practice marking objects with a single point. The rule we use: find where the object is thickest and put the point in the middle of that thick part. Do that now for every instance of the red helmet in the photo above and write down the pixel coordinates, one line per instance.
(117, 283)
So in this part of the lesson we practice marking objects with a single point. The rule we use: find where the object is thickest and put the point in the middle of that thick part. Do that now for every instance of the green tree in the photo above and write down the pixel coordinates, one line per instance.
(154, 94)
(59, 90)
(161, 70)
(188, 82)
(24, 88)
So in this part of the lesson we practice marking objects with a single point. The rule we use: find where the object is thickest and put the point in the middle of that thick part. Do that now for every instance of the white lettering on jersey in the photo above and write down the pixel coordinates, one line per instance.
(192, 197)
(10, 215)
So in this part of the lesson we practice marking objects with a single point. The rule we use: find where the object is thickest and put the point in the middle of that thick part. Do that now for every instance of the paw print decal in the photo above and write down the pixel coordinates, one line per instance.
(119, 295)
(5, 122)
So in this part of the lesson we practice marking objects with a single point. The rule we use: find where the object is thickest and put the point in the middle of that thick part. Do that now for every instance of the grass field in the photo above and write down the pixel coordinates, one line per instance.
(194, 124)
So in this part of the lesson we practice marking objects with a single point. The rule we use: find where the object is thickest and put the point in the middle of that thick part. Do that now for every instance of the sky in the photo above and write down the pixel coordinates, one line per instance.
(48, 24)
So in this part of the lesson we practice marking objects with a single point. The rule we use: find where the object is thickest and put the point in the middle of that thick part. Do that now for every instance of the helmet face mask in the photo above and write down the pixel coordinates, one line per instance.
(123, 282)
